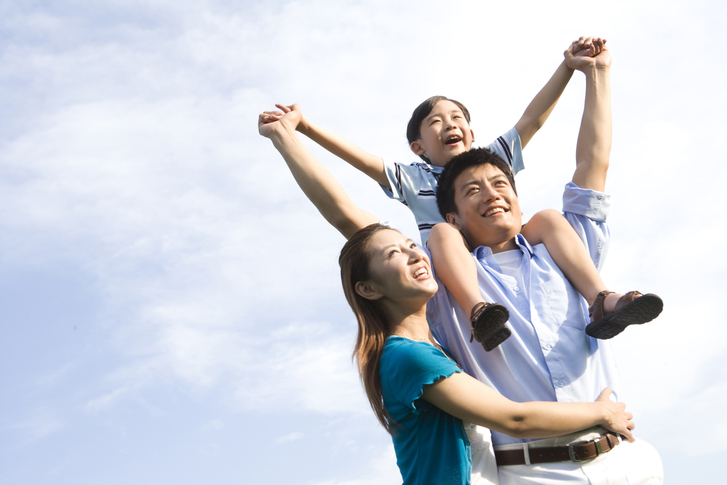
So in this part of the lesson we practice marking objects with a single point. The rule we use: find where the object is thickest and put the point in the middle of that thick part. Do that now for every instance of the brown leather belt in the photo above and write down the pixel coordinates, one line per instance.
(578, 451)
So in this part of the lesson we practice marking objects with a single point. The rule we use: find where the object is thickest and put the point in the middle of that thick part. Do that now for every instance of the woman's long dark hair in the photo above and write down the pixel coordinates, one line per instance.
(373, 323)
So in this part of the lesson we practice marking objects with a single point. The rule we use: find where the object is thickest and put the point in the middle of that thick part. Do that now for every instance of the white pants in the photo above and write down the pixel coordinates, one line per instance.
(484, 466)
(629, 463)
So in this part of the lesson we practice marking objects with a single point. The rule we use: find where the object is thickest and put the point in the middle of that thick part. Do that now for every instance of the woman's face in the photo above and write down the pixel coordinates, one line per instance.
(398, 268)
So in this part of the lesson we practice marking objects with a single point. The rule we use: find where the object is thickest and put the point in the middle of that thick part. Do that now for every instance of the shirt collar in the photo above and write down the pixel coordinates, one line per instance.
(484, 252)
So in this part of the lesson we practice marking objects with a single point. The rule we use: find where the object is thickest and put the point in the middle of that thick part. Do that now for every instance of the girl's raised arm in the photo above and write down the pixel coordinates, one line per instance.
(316, 182)
(370, 164)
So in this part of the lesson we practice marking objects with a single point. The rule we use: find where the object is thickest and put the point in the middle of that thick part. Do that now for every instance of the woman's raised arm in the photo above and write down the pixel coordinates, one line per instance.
(316, 182)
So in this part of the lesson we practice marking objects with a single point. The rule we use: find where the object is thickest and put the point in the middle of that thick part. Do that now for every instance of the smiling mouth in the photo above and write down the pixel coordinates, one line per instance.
(494, 210)
(421, 272)
(453, 140)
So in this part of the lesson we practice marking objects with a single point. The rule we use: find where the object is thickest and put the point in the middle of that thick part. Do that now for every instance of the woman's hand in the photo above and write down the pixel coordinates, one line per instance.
(616, 418)
(270, 122)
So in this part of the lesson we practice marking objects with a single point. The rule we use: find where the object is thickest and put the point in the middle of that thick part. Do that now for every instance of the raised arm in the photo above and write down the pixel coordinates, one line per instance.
(543, 103)
(466, 398)
(594, 139)
(316, 182)
(370, 164)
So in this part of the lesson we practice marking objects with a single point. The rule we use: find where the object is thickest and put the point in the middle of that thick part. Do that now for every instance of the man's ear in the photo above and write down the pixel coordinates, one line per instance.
(454, 220)
(473, 135)
(416, 148)
(367, 290)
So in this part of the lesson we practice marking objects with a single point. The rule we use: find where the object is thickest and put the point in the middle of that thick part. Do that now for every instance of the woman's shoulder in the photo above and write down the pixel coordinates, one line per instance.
(413, 356)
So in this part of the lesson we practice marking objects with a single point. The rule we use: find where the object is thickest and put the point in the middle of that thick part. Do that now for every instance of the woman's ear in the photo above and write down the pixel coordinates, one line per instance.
(367, 290)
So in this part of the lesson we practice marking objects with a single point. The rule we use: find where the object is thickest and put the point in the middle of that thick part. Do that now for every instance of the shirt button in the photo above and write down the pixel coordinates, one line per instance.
(516, 289)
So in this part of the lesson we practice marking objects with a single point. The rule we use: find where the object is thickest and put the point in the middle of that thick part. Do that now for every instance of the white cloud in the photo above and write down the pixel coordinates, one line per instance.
(290, 437)
(42, 423)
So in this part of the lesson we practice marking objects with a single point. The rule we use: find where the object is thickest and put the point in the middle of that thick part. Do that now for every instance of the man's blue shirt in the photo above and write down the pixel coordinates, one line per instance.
(549, 357)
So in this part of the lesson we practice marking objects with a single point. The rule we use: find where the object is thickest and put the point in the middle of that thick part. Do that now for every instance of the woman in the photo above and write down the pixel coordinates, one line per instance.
(416, 391)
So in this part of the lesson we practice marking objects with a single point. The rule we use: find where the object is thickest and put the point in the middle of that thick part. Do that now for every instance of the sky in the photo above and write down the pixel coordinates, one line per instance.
(170, 305)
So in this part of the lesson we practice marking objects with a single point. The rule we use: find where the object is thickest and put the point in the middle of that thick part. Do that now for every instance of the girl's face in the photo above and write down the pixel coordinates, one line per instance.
(444, 133)
(399, 270)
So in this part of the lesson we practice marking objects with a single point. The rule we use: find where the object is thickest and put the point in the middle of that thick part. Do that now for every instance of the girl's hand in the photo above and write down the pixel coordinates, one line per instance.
(269, 122)
(616, 418)
(587, 46)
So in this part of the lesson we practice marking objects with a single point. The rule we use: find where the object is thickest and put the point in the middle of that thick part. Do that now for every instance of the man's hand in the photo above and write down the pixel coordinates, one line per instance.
(588, 53)
(587, 46)
(270, 122)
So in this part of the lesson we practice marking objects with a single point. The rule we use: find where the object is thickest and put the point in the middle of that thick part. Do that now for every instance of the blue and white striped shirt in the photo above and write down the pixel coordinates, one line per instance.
(415, 185)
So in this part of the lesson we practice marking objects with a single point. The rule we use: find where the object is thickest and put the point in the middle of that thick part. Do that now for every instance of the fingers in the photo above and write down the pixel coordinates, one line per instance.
(627, 433)
(605, 395)
(588, 46)
(283, 108)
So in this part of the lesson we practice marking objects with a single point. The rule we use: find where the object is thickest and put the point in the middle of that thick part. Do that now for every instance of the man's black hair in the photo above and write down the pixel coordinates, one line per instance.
(473, 158)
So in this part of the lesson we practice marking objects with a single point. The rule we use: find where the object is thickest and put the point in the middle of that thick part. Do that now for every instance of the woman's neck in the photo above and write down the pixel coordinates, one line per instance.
(410, 323)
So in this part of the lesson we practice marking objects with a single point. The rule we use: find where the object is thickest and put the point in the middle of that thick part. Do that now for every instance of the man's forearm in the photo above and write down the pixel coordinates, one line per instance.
(596, 133)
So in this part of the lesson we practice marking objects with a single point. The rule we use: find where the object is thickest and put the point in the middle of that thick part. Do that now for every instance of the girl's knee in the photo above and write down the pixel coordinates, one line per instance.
(444, 231)
(444, 235)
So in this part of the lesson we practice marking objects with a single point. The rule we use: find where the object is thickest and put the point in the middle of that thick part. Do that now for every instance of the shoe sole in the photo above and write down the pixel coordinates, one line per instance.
(489, 329)
(642, 310)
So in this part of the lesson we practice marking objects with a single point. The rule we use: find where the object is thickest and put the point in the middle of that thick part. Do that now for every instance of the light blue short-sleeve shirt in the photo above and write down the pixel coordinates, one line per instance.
(415, 185)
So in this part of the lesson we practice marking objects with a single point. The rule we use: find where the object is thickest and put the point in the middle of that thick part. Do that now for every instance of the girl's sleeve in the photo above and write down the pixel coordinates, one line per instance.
(405, 181)
(509, 147)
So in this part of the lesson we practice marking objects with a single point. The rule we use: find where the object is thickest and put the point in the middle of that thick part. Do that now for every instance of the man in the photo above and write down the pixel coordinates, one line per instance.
(549, 357)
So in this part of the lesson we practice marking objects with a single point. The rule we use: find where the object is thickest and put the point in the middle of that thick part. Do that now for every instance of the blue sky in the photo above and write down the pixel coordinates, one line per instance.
(170, 310)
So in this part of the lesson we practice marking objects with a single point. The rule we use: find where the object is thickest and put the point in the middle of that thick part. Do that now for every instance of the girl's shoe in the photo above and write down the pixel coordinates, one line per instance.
(631, 309)
(487, 322)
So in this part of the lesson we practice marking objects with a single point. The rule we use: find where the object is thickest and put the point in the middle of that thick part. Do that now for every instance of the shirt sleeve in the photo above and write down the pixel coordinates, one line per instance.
(586, 210)
(510, 149)
(414, 366)
(405, 181)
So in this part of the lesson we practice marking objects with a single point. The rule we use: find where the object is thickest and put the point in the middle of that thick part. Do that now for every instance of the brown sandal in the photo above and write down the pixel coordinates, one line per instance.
(487, 322)
(631, 309)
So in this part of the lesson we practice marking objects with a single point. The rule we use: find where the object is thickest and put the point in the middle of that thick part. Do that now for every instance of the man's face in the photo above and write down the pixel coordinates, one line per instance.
(488, 210)
(443, 134)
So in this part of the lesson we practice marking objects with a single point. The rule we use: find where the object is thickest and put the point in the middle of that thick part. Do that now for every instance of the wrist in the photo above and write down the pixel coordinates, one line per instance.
(303, 125)
(281, 134)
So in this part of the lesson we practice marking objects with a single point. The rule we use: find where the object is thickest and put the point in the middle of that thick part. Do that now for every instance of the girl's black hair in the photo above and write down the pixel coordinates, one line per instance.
(413, 129)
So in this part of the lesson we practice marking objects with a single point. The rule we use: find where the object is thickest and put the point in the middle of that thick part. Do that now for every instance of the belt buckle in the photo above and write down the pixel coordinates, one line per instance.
(572, 451)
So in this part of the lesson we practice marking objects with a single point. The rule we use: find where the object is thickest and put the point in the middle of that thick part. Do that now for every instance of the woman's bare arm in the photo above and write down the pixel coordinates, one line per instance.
(316, 182)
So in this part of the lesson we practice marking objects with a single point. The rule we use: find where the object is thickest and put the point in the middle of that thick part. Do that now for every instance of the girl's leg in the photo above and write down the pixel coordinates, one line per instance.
(456, 269)
(549, 227)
